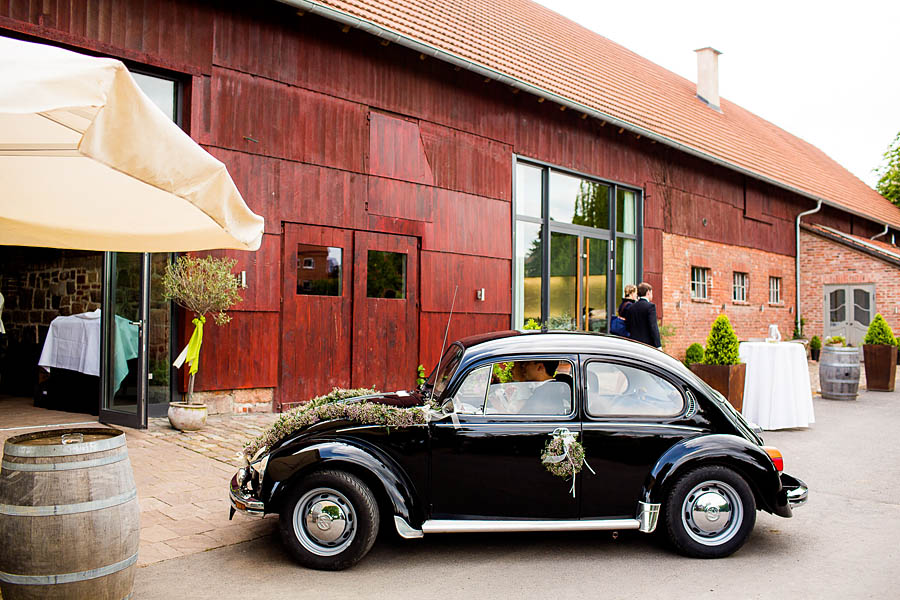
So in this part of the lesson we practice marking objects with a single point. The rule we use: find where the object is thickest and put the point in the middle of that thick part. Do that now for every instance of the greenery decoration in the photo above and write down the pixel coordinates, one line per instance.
(420, 375)
(879, 332)
(201, 285)
(532, 324)
(722, 344)
(889, 173)
(572, 460)
(815, 343)
(694, 354)
(502, 372)
(352, 405)
(835, 340)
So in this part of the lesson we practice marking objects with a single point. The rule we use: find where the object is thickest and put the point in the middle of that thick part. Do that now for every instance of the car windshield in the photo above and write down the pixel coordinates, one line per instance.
(444, 372)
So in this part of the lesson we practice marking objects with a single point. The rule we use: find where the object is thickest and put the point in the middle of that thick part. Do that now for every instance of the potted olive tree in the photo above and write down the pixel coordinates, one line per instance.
(815, 347)
(199, 285)
(721, 368)
(880, 356)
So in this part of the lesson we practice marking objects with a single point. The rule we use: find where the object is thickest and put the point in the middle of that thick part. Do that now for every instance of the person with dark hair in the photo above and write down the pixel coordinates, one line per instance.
(641, 320)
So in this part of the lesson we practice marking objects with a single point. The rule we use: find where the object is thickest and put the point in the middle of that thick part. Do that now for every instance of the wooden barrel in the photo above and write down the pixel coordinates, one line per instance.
(839, 373)
(69, 515)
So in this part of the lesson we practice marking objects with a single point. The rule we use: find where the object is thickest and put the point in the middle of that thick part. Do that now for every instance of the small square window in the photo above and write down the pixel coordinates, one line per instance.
(699, 283)
(774, 290)
(386, 275)
(319, 270)
(739, 287)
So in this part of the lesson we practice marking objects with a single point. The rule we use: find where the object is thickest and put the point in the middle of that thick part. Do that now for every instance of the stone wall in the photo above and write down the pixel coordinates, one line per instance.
(692, 318)
(237, 401)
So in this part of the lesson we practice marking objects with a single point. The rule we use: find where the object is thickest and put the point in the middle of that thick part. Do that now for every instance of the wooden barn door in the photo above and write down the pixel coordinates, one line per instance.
(317, 302)
(385, 307)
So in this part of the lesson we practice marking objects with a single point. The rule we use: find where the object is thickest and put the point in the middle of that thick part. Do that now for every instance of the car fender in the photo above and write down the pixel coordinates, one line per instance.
(748, 459)
(292, 462)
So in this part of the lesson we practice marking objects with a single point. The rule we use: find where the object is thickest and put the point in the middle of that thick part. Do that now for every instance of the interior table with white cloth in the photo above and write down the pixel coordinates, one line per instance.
(777, 392)
(73, 344)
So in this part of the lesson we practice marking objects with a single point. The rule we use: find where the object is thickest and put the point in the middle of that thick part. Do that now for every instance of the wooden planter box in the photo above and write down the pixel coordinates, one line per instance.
(881, 366)
(728, 380)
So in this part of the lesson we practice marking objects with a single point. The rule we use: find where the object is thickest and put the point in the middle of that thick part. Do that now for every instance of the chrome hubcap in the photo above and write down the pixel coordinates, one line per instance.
(712, 513)
(324, 521)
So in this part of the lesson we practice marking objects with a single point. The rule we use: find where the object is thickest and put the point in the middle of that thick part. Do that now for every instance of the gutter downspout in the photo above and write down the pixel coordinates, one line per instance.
(886, 227)
(797, 267)
(383, 32)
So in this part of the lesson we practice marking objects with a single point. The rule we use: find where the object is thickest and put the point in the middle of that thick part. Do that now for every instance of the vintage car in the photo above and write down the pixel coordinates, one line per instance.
(661, 450)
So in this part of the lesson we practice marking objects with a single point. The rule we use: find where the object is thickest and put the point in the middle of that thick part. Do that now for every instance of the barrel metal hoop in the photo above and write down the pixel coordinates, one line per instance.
(66, 466)
(66, 509)
(65, 450)
(69, 577)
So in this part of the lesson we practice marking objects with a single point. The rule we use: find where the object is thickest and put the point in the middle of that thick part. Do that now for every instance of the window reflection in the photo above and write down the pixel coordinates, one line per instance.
(319, 270)
(386, 275)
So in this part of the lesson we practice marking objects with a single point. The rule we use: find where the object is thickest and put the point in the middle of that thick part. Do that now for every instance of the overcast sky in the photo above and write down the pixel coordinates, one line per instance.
(826, 71)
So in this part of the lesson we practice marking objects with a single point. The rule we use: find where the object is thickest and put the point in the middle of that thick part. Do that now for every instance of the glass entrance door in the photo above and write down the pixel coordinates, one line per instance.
(579, 268)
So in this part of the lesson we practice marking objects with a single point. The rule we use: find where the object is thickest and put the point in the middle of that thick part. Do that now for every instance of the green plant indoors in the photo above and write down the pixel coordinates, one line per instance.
(815, 343)
(694, 354)
(879, 332)
(722, 344)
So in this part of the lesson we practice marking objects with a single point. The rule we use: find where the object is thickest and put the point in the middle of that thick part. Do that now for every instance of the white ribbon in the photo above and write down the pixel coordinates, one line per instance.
(568, 438)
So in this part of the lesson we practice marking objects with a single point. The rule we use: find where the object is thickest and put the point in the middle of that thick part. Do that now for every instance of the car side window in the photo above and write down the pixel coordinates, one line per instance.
(530, 387)
(621, 390)
(469, 398)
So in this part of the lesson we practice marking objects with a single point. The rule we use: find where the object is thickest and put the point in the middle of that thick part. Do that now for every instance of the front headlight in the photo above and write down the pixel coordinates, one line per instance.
(256, 470)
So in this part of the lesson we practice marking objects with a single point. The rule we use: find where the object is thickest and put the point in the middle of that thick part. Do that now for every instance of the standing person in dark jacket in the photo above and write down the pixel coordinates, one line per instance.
(641, 318)
(628, 298)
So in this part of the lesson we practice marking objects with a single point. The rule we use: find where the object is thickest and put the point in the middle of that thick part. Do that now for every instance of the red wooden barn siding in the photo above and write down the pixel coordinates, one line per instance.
(323, 127)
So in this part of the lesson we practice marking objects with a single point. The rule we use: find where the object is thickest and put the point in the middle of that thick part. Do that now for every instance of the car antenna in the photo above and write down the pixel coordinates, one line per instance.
(446, 331)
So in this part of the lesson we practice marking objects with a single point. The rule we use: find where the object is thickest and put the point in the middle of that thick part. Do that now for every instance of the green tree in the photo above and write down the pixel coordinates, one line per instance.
(879, 332)
(889, 173)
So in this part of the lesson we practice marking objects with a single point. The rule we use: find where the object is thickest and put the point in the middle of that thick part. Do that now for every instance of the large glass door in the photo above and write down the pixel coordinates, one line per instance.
(123, 355)
(579, 270)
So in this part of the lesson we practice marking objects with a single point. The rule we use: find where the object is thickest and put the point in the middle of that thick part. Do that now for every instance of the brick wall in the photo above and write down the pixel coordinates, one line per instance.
(692, 319)
(823, 261)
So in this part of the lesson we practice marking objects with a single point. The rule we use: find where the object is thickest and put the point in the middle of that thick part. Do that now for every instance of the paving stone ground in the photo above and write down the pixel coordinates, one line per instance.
(182, 478)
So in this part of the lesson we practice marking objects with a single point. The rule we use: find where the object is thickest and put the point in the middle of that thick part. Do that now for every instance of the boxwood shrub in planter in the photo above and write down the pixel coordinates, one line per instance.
(815, 347)
(693, 355)
(721, 367)
(880, 356)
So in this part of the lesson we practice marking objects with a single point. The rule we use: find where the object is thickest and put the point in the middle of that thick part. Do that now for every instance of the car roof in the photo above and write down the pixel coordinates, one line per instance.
(569, 342)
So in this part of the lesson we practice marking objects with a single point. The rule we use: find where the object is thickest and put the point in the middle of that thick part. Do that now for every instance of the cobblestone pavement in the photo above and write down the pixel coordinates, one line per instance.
(182, 478)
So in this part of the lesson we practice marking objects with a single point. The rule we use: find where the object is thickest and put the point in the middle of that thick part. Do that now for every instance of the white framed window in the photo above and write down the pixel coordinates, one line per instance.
(774, 290)
(700, 283)
(309, 263)
(739, 287)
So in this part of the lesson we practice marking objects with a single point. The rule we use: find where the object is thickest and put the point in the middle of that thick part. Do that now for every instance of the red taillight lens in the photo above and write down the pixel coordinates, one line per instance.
(775, 455)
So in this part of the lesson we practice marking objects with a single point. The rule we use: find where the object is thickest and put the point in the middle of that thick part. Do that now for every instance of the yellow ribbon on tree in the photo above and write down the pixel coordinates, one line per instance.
(191, 352)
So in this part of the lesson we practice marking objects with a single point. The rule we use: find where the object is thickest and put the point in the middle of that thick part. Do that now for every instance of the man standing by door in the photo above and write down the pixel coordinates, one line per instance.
(642, 317)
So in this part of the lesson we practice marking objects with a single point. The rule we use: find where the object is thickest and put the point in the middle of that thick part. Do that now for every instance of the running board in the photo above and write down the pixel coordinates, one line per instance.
(497, 526)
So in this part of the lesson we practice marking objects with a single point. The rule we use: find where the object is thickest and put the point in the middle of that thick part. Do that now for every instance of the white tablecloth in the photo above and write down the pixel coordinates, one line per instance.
(777, 393)
(73, 343)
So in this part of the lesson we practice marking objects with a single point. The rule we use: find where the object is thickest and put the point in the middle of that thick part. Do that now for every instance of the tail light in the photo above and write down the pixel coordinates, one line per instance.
(775, 455)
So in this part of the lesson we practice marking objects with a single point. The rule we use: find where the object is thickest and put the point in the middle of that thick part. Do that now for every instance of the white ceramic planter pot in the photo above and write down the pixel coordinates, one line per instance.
(187, 417)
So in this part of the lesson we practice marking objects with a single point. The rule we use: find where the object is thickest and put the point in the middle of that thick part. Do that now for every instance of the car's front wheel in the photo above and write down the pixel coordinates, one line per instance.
(710, 512)
(329, 521)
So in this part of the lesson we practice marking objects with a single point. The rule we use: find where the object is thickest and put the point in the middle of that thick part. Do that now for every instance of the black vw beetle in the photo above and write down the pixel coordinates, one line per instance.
(660, 449)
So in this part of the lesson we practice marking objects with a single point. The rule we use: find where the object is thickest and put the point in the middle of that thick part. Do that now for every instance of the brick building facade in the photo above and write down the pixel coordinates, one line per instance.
(692, 317)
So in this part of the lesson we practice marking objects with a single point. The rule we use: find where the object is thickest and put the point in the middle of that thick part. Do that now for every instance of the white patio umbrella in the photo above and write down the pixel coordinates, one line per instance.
(87, 161)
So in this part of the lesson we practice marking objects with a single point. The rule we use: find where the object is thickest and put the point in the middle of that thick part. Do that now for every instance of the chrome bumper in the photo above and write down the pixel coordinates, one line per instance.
(798, 495)
(242, 500)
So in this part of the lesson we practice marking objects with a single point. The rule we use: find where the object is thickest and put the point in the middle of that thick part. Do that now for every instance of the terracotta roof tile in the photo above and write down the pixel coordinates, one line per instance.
(531, 43)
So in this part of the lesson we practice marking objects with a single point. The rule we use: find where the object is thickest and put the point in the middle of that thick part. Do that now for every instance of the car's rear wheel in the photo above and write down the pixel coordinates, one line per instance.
(710, 512)
(329, 521)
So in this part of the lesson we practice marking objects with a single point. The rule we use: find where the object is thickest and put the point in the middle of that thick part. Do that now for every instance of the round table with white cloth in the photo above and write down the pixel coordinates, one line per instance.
(777, 392)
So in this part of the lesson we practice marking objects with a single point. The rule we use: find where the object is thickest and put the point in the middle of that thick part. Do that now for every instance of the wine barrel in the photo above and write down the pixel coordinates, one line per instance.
(69, 515)
(839, 373)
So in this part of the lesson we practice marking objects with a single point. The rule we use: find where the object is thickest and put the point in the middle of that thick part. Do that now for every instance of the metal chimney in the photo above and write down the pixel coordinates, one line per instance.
(708, 76)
